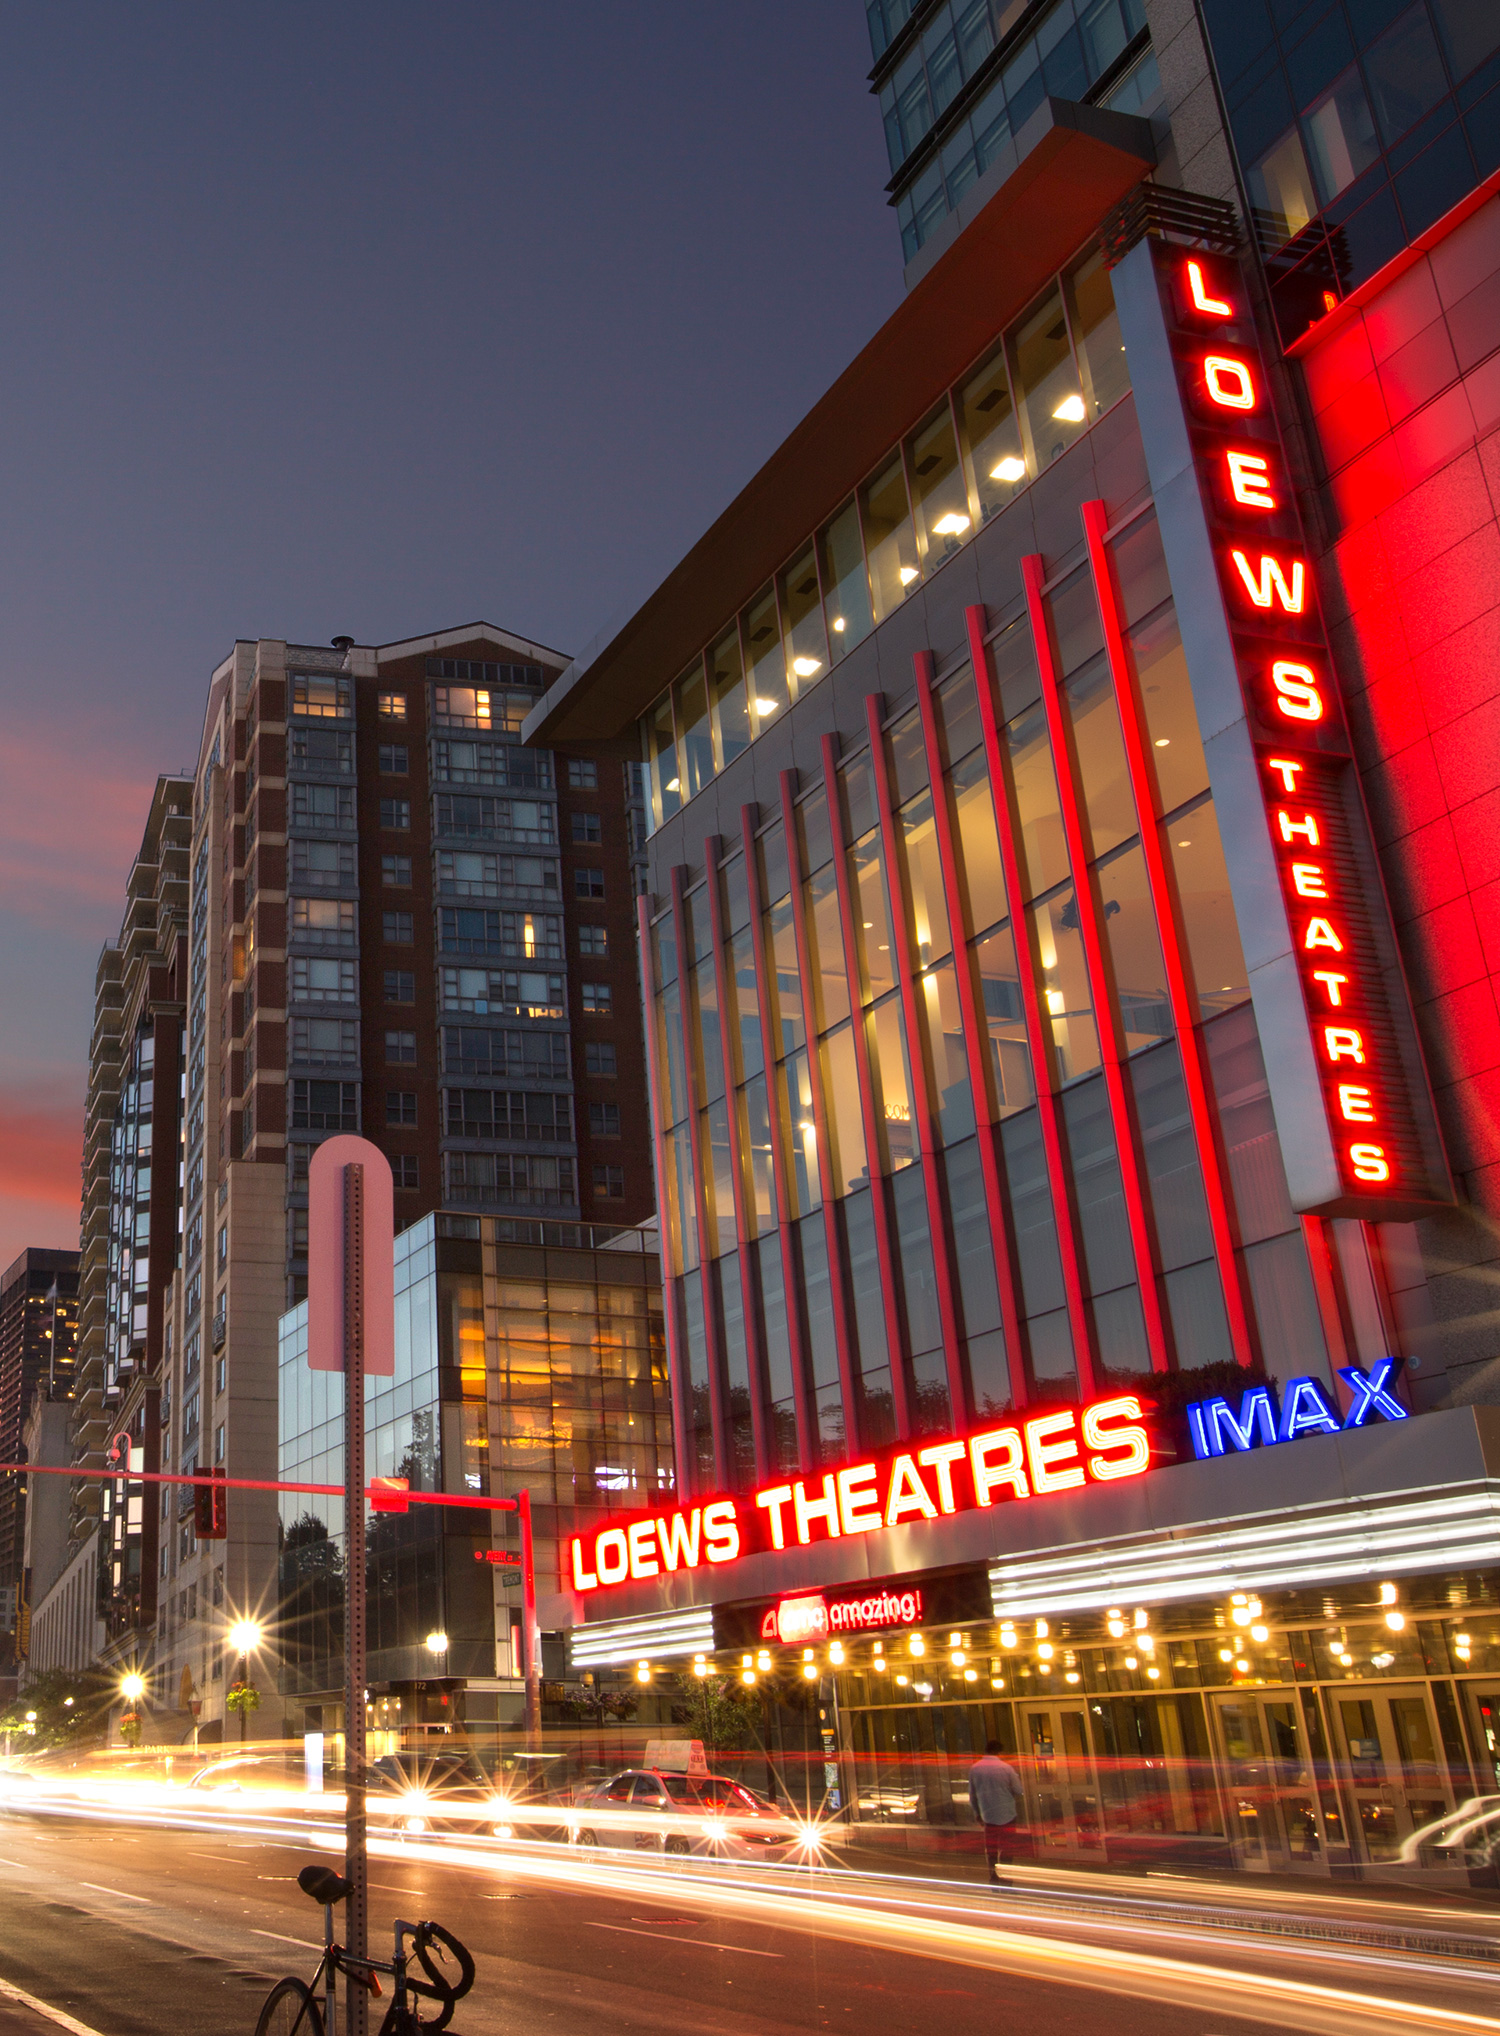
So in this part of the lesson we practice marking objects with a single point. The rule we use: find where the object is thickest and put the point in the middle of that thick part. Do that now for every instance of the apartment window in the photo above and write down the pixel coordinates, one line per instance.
(586, 827)
(325, 1042)
(393, 758)
(401, 1046)
(400, 986)
(401, 1107)
(392, 706)
(588, 883)
(221, 1375)
(599, 1058)
(609, 1183)
(515, 1176)
(583, 774)
(321, 696)
(529, 936)
(593, 940)
(397, 928)
(404, 1171)
(325, 1106)
(395, 813)
(299, 1233)
(323, 865)
(221, 1248)
(503, 993)
(597, 998)
(323, 749)
(472, 1050)
(322, 805)
(604, 1120)
(328, 921)
(395, 872)
(316, 981)
(501, 1113)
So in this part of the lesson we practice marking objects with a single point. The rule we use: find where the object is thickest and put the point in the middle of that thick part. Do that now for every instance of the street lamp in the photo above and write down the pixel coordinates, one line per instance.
(437, 1644)
(245, 1636)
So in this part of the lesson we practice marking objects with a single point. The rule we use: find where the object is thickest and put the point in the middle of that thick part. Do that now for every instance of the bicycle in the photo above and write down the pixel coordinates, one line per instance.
(291, 2008)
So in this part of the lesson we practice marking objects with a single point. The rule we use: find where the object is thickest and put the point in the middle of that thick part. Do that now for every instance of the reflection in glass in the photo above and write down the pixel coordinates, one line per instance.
(830, 981)
(713, 1136)
(736, 892)
(877, 1421)
(941, 492)
(794, 1091)
(727, 700)
(938, 990)
(745, 1040)
(1053, 412)
(814, 841)
(673, 1069)
(1217, 960)
(683, 1214)
(959, 726)
(1167, 703)
(1066, 998)
(1104, 1229)
(709, 1043)
(1282, 198)
(767, 676)
(1134, 949)
(1096, 333)
(1340, 135)
(980, 876)
(786, 979)
(886, 1040)
(846, 1131)
(661, 761)
(696, 746)
(737, 1370)
(924, 878)
(1109, 805)
(1405, 73)
(846, 597)
(1005, 1017)
(802, 615)
(872, 930)
(992, 436)
(1038, 811)
(755, 1155)
(889, 539)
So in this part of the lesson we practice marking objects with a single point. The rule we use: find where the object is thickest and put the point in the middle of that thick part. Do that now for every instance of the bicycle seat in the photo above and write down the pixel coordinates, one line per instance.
(324, 1885)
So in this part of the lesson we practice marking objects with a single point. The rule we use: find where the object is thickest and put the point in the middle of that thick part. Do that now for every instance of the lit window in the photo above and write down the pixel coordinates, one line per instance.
(609, 1183)
(593, 940)
(393, 706)
(597, 998)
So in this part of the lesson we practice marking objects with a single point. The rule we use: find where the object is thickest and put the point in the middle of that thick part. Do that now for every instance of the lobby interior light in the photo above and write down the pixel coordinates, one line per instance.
(437, 1643)
(951, 525)
(1387, 1594)
(805, 667)
(1045, 1651)
(1154, 1673)
(810, 1670)
(1008, 469)
(1116, 1623)
(838, 625)
(643, 1671)
(1131, 1662)
(763, 1659)
(764, 707)
(1396, 1621)
(836, 1653)
(674, 784)
(916, 1645)
(906, 575)
(1260, 1633)
(1070, 410)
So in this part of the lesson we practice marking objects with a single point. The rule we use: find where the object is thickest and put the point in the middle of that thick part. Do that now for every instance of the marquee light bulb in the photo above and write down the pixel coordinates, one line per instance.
(763, 1659)
(1131, 1662)
(1387, 1594)
(836, 1653)
(1260, 1633)
(1042, 1629)
(916, 1645)
(1396, 1621)
(747, 1677)
(1046, 1651)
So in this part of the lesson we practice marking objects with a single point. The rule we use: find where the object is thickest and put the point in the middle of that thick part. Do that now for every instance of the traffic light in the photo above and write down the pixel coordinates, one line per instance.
(210, 1505)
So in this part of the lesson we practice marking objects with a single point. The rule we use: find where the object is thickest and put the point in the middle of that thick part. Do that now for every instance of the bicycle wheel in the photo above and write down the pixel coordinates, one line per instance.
(291, 2009)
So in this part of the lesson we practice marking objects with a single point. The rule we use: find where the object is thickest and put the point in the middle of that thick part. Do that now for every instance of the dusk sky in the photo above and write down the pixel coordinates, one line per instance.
(369, 319)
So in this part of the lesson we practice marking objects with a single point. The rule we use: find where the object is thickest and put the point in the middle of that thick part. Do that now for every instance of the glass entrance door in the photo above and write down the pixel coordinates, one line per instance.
(1397, 1781)
(1278, 1819)
(1062, 1792)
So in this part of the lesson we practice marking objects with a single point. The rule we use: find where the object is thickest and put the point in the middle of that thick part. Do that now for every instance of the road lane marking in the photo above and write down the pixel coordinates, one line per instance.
(699, 1943)
(57, 2015)
(282, 1938)
(118, 1892)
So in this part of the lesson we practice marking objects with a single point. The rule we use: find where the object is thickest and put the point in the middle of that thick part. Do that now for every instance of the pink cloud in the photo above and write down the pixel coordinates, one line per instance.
(67, 835)
(41, 1146)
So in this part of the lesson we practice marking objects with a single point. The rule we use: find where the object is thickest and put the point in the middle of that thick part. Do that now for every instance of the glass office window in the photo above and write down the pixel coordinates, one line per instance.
(714, 1140)
(992, 436)
(846, 1134)
(1216, 958)
(1038, 810)
(709, 1044)
(978, 1292)
(830, 981)
(906, 751)
(738, 1370)
(953, 1103)
(939, 489)
(959, 728)
(695, 731)
(1134, 949)
(783, 1405)
(877, 1420)
(889, 539)
(814, 840)
(794, 1090)
(1045, 376)
(1066, 997)
(727, 699)
(1096, 335)
(872, 929)
(924, 878)
(1038, 1265)
(886, 1041)
(1005, 1017)
(802, 615)
(734, 892)
(673, 1067)
(1108, 803)
(976, 838)
(787, 1026)
(846, 586)
(661, 761)
(700, 1404)
(767, 676)
(682, 1214)
(744, 1033)
(755, 1155)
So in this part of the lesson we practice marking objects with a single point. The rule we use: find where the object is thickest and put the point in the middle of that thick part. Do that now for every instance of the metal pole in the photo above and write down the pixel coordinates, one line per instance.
(531, 1639)
(356, 2000)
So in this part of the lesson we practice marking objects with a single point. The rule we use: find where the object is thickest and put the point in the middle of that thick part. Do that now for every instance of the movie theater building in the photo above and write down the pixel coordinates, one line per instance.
(1067, 959)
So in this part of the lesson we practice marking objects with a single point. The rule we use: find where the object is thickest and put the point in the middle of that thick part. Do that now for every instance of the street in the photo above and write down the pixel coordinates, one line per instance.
(131, 1930)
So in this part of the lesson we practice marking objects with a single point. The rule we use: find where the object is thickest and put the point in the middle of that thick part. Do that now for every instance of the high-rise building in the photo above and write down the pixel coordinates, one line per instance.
(131, 1202)
(403, 924)
(1068, 941)
(38, 1332)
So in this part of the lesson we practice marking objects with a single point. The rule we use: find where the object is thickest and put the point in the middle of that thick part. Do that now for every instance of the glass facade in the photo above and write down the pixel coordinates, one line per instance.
(1024, 403)
(1356, 127)
(947, 1140)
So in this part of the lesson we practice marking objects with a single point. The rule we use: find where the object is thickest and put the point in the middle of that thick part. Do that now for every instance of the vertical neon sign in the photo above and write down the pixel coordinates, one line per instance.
(1329, 881)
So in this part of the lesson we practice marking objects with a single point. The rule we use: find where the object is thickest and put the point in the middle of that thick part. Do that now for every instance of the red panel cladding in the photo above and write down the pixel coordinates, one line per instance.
(1418, 371)
(1355, 417)
(1466, 1026)
(1335, 369)
(1371, 484)
(1436, 434)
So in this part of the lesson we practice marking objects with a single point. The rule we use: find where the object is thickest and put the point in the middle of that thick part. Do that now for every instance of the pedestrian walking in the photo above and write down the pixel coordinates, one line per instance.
(995, 1797)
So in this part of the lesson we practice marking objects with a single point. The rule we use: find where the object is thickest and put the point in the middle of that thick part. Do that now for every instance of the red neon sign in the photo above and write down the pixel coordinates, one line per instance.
(1056, 1452)
(814, 1617)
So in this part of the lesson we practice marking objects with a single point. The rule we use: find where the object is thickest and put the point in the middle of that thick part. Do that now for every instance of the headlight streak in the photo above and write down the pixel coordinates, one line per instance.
(840, 1903)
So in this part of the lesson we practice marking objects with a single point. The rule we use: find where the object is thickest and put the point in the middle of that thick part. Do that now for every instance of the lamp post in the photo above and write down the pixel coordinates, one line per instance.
(244, 1637)
(132, 1689)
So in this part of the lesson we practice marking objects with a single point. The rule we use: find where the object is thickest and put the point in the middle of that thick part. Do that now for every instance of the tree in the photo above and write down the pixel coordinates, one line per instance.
(69, 1709)
(721, 1712)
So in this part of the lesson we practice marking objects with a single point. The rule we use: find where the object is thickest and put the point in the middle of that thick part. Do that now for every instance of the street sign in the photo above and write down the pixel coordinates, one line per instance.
(325, 1256)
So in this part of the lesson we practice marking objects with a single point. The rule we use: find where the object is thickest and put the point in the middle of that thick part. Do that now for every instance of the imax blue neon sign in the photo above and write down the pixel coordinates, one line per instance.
(1305, 1409)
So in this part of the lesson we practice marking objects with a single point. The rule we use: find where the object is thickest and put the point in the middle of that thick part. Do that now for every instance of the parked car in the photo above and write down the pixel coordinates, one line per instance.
(647, 1810)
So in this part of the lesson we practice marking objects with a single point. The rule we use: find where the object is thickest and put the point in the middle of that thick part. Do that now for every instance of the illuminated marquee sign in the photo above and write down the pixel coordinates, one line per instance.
(1305, 1409)
(814, 1617)
(1328, 878)
(1059, 1451)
